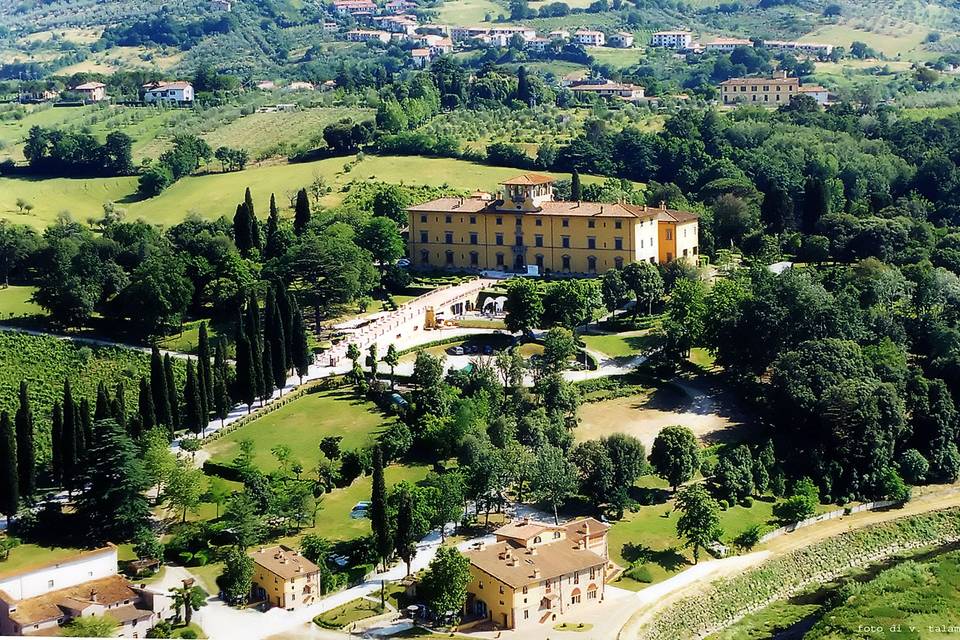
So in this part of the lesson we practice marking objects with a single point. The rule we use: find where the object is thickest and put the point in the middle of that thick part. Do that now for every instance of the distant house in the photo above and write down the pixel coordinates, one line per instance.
(559, 34)
(606, 89)
(367, 35)
(679, 40)
(818, 93)
(726, 44)
(330, 26)
(92, 91)
(771, 92)
(679, 239)
(539, 44)
(399, 6)
(355, 7)
(300, 86)
(420, 57)
(39, 600)
(283, 578)
(222, 5)
(398, 24)
(621, 39)
(589, 38)
(814, 49)
(266, 85)
(179, 92)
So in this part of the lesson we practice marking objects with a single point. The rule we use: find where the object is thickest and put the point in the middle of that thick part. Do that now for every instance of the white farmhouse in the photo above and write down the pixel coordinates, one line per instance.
(171, 92)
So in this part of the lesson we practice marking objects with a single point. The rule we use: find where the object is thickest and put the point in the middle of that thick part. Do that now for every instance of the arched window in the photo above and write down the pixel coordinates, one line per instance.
(592, 264)
(618, 262)
(449, 258)
(565, 263)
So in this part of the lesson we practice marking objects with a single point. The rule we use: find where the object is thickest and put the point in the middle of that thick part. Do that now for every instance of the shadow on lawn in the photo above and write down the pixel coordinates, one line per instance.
(668, 559)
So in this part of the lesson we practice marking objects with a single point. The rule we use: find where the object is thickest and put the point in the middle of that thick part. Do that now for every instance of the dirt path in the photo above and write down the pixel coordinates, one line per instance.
(708, 411)
(927, 499)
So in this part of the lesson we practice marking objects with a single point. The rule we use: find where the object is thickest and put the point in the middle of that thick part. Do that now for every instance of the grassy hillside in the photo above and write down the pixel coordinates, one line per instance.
(217, 194)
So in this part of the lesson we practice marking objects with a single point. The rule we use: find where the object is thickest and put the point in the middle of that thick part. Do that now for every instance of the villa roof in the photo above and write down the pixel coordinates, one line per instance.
(529, 179)
(740, 81)
(50, 606)
(517, 566)
(552, 208)
(283, 561)
(812, 88)
(179, 84)
(672, 215)
(89, 86)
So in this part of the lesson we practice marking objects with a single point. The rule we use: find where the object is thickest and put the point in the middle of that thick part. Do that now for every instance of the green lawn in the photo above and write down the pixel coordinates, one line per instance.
(651, 533)
(302, 424)
(468, 12)
(207, 575)
(187, 340)
(217, 194)
(334, 521)
(15, 302)
(619, 345)
(347, 614)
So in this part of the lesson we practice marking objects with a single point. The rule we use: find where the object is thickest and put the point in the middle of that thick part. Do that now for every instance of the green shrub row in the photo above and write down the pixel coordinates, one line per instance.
(726, 601)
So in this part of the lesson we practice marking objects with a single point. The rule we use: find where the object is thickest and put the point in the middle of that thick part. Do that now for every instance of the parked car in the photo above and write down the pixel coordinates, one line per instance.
(456, 351)
(403, 263)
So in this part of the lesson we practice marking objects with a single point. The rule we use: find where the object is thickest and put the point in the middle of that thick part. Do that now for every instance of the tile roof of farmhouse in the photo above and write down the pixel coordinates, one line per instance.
(517, 566)
(550, 208)
(51, 606)
(89, 86)
(671, 215)
(528, 179)
(283, 561)
(741, 81)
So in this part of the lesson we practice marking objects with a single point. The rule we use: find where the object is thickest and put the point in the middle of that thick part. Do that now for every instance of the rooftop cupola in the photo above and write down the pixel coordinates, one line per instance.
(527, 192)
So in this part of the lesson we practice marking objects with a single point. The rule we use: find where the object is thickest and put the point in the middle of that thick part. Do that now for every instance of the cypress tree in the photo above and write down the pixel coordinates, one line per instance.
(246, 379)
(204, 355)
(9, 481)
(221, 397)
(255, 340)
(147, 414)
(241, 229)
(256, 240)
(271, 245)
(576, 193)
(286, 319)
(56, 443)
(267, 368)
(172, 397)
(102, 410)
(523, 86)
(275, 336)
(300, 348)
(203, 398)
(379, 518)
(301, 215)
(85, 427)
(26, 458)
(158, 386)
(192, 419)
(68, 438)
(119, 406)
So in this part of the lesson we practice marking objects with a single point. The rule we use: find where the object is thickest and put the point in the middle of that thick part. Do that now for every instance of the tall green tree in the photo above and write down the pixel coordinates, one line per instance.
(113, 505)
(686, 311)
(118, 407)
(26, 456)
(254, 331)
(85, 426)
(645, 281)
(554, 478)
(69, 447)
(146, 410)
(204, 356)
(285, 311)
(237, 577)
(614, 290)
(246, 376)
(56, 443)
(524, 305)
(379, 516)
(301, 354)
(675, 455)
(405, 539)
(276, 336)
(242, 229)
(256, 238)
(173, 398)
(184, 488)
(273, 244)
(699, 522)
(576, 191)
(445, 581)
(188, 598)
(392, 359)
(192, 419)
(221, 395)
(9, 476)
(301, 212)
(524, 94)
(158, 387)
(102, 410)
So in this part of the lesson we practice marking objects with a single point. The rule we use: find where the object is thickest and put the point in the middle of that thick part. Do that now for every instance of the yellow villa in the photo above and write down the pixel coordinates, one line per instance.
(536, 572)
(284, 578)
(526, 230)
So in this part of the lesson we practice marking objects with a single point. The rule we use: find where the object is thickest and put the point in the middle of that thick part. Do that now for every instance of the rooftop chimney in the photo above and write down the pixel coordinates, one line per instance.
(582, 544)
(663, 205)
(536, 572)
(93, 595)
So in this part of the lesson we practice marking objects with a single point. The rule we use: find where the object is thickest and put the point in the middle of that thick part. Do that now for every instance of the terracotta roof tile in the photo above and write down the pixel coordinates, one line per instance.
(50, 606)
(283, 561)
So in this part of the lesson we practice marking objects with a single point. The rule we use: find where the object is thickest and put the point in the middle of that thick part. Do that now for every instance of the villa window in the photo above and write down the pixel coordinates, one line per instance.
(591, 224)
(538, 240)
(618, 263)
(425, 257)
(448, 219)
(539, 259)
(473, 219)
(538, 222)
(591, 264)
(591, 243)
(566, 263)
(565, 222)
(575, 599)
(449, 257)
(592, 594)
(669, 234)
(565, 242)
(448, 237)
(474, 238)
(499, 238)
(618, 224)
(423, 237)
(499, 220)
(526, 614)
(499, 259)
(524, 589)
(423, 218)
(501, 588)
(618, 243)
(474, 258)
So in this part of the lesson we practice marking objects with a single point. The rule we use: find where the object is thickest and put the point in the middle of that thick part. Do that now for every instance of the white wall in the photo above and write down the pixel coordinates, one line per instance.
(92, 566)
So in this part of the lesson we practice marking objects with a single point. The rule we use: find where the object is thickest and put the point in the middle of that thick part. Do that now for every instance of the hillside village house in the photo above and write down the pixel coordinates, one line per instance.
(773, 91)
(589, 38)
(37, 601)
(726, 45)
(818, 93)
(284, 578)
(92, 91)
(355, 7)
(621, 39)
(535, 572)
(420, 57)
(367, 35)
(173, 92)
(678, 40)
(622, 91)
(527, 228)
(814, 49)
